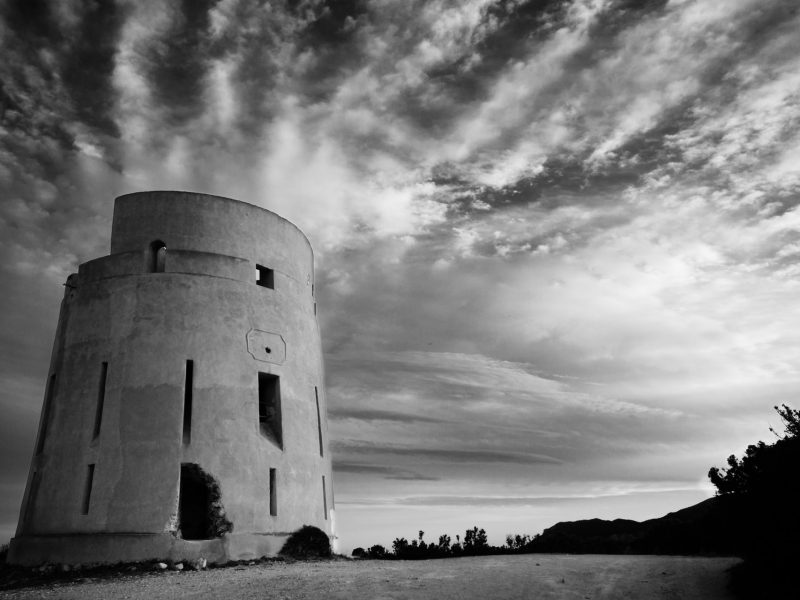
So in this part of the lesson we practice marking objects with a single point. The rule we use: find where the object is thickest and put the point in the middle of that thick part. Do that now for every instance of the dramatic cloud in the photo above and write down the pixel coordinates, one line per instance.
(557, 241)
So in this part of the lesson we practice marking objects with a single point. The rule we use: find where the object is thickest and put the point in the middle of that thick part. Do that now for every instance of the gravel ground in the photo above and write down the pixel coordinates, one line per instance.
(539, 576)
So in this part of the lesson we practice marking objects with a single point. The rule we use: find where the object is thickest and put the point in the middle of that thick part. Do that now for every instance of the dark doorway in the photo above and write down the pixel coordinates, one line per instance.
(200, 512)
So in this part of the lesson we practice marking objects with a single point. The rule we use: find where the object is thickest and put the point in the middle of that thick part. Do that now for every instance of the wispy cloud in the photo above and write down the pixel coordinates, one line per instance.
(380, 470)
(518, 500)
(446, 456)
(377, 415)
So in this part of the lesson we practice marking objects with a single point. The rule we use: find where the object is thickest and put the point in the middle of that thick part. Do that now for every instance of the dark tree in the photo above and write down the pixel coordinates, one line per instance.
(475, 541)
(765, 470)
(791, 422)
(400, 547)
(517, 543)
(377, 551)
(765, 488)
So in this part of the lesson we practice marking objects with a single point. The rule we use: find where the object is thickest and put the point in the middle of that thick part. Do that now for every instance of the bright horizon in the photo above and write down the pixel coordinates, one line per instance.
(556, 241)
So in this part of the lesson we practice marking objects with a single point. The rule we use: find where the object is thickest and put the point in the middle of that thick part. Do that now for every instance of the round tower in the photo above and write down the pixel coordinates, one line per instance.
(184, 414)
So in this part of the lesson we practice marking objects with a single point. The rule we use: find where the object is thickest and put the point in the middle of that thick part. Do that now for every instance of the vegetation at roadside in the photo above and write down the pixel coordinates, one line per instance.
(703, 529)
(765, 485)
(475, 543)
(753, 515)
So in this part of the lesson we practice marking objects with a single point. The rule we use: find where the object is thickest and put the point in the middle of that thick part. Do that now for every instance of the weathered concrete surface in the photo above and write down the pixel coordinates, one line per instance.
(543, 577)
(205, 307)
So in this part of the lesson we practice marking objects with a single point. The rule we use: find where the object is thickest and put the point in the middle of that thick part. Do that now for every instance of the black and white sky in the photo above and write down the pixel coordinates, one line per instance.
(557, 241)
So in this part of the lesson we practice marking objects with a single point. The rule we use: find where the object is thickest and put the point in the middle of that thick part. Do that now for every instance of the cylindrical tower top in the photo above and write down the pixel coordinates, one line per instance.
(204, 223)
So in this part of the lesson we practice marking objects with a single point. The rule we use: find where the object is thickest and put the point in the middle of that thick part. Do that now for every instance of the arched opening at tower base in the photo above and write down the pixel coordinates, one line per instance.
(201, 515)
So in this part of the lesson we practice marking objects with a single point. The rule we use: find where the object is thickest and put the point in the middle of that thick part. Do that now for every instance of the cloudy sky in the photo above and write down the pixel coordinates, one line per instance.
(557, 241)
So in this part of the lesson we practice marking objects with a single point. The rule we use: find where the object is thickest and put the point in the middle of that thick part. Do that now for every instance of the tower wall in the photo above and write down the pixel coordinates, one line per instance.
(129, 323)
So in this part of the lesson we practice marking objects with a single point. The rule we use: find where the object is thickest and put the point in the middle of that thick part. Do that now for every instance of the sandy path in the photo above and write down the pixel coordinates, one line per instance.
(532, 576)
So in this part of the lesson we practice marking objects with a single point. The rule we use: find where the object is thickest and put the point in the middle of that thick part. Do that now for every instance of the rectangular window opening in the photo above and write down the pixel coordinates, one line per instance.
(48, 400)
(319, 421)
(101, 395)
(265, 277)
(269, 407)
(87, 490)
(187, 402)
(273, 494)
(324, 498)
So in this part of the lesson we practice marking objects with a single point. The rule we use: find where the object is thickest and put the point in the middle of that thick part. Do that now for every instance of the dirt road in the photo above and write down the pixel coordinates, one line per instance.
(539, 576)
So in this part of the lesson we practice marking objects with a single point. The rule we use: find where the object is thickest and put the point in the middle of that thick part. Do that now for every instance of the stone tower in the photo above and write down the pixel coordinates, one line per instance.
(184, 413)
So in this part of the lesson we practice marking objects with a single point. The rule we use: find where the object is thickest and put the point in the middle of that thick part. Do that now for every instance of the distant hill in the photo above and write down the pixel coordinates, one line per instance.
(707, 528)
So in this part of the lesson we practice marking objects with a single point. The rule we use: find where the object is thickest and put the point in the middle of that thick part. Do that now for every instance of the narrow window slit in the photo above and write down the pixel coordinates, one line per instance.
(48, 400)
(87, 490)
(265, 277)
(319, 421)
(324, 498)
(187, 402)
(273, 494)
(101, 395)
(269, 408)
